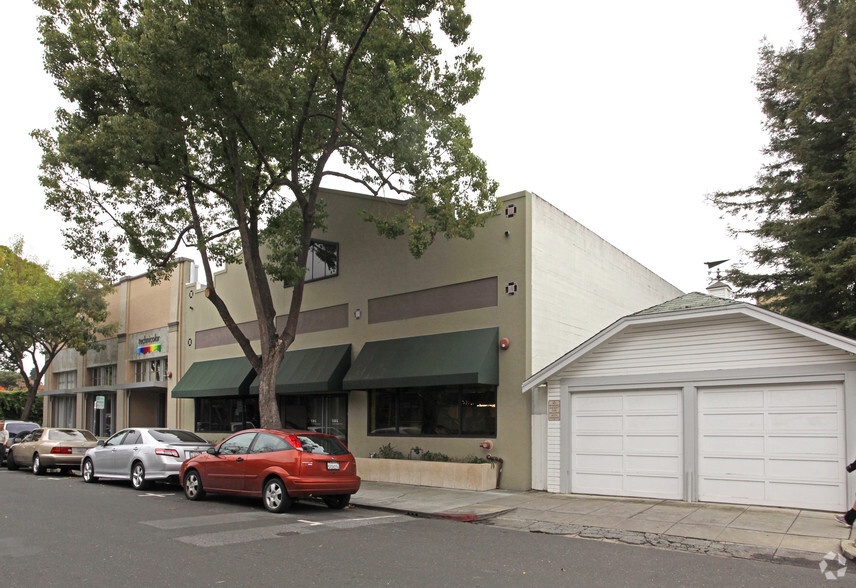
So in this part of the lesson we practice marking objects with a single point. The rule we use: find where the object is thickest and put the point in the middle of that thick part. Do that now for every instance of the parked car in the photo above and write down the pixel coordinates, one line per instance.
(8, 430)
(142, 455)
(47, 448)
(279, 466)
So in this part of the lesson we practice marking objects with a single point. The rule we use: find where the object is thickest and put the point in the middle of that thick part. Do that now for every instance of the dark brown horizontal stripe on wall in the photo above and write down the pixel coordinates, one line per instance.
(310, 321)
(444, 299)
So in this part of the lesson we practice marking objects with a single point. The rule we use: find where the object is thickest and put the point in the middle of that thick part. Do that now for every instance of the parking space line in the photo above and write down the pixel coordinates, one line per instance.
(205, 520)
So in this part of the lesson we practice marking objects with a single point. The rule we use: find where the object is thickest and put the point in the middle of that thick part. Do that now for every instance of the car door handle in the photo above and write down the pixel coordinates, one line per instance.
(240, 459)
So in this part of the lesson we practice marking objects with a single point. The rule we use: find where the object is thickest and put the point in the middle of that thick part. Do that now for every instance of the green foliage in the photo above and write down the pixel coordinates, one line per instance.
(40, 316)
(802, 210)
(388, 452)
(435, 456)
(12, 406)
(213, 125)
(11, 380)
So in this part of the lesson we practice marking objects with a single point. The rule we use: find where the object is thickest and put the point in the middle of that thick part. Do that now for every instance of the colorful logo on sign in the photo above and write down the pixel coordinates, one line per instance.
(146, 349)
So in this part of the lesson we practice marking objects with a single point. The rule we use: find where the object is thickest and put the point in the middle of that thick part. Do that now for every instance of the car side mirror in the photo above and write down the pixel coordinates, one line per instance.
(100, 443)
(213, 451)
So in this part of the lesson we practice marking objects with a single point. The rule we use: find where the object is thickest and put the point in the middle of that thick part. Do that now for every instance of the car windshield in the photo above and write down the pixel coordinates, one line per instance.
(322, 445)
(70, 435)
(175, 436)
(15, 428)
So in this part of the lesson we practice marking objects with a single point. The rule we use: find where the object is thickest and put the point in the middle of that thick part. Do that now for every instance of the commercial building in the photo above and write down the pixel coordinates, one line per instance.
(423, 354)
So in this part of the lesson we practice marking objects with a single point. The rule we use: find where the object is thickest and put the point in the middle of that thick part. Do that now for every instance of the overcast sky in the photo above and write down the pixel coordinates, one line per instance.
(622, 114)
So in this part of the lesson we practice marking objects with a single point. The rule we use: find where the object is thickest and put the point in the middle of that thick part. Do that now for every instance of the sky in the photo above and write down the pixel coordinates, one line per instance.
(622, 114)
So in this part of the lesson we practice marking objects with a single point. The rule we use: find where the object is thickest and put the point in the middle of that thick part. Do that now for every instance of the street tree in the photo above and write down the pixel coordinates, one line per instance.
(211, 124)
(10, 380)
(801, 211)
(40, 316)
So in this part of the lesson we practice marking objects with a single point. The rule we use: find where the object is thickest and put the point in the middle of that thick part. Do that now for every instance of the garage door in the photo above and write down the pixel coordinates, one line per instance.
(777, 445)
(627, 443)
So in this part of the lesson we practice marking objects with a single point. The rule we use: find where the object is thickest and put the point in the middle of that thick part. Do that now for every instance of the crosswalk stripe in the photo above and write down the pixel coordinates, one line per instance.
(277, 531)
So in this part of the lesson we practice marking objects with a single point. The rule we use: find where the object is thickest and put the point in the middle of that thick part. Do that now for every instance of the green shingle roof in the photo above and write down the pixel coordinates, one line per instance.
(691, 301)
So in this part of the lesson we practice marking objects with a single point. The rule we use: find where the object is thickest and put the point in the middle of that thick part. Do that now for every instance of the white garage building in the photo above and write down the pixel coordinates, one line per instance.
(700, 399)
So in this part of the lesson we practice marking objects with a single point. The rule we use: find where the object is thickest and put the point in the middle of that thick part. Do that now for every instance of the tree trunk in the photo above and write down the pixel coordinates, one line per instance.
(268, 409)
(28, 405)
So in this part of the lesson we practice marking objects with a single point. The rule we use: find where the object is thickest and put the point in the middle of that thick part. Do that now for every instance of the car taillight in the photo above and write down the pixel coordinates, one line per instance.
(62, 450)
(295, 442)
(169, 452)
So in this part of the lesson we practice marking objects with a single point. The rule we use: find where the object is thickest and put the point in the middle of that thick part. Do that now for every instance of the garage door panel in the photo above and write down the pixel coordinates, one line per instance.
(606, 443)
(627, 443)
(788, 445)
(668, 464)
(802, 422)
(794, 456)
(796, 397)
(651, 402)
(595, 423)
(803, 495)
(728, 490)
(651, 423)
(654, 443)
(737, 398)
(599, 462)
(749, 422)
(820, 471)
(729, 466)
(731, 444)
(600, 402)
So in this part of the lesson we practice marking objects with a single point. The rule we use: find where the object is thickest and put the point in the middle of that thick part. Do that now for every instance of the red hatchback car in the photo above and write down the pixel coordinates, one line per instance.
(277, 465)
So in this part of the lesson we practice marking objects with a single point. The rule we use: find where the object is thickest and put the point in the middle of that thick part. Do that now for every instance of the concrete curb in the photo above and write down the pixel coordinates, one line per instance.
(466, 515)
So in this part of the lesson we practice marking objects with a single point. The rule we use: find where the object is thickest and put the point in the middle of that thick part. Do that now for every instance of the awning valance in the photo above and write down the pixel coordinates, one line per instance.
(464, 357)
(305, 371)
(218, 377)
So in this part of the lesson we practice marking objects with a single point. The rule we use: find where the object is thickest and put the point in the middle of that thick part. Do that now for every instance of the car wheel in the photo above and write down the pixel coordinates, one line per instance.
(37, 465)
(193, 486)
(337, 502)
(88, 471)
(138, 476)
(10, 461)
(275, 496)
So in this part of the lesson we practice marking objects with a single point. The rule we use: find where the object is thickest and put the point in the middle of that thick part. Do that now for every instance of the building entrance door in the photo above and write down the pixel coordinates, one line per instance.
(101, 421)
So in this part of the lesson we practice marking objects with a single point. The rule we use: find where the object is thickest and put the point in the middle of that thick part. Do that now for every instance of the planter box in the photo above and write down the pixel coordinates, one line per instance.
(442, 474)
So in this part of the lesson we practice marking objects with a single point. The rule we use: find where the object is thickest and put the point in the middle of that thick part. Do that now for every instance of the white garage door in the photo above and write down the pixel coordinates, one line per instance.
(627, 443)
(777, 445)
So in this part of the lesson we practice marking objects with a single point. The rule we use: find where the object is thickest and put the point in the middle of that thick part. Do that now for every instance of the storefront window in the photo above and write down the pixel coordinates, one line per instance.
(226, 414)
(150, 370)
(445, 411)
(63, 410)
(322, 413)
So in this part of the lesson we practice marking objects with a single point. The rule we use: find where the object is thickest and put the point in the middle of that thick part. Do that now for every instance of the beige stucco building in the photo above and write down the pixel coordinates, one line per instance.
(426, 353)
(127, 382)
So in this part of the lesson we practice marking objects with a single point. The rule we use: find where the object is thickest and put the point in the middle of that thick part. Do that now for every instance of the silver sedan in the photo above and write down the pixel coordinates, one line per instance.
(142, 455)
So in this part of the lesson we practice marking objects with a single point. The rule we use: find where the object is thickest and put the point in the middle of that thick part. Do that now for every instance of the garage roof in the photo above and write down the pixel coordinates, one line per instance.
(692, 305)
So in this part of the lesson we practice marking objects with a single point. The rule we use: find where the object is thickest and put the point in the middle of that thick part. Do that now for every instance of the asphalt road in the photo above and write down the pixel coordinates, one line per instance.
(58, 531)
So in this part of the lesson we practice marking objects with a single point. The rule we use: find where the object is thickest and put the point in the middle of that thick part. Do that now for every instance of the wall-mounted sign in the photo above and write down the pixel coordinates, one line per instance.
(554, 410)
(99, 403)
(146, 349)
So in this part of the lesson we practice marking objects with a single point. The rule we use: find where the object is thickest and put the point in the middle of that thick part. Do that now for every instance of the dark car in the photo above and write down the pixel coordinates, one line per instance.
(278, 466)
(8, 431)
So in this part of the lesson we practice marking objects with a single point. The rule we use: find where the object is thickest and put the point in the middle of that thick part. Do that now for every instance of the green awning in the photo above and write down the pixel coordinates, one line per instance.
(219, 377)
(305, 371)
(465, 357)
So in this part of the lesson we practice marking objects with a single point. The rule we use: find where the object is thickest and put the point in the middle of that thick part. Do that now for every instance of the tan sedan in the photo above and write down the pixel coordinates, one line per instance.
(51, 448)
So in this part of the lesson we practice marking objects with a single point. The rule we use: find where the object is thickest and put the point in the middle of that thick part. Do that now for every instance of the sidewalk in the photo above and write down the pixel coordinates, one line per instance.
(788, 535)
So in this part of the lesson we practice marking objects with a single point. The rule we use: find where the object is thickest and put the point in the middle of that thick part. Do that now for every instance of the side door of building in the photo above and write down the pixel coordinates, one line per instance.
(225, 471)
(124, 453)
(102, 457)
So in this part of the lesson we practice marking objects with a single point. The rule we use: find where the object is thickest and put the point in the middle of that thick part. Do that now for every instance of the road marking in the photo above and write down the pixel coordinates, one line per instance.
(308, 522)
(157, 495)
(205, 521)
(278, 531)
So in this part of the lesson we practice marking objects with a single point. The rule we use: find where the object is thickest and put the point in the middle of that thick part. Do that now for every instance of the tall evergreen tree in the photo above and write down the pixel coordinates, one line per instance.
(802, 208)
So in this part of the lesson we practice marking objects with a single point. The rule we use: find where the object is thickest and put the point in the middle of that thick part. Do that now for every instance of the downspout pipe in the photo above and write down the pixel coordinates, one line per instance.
(500, 461)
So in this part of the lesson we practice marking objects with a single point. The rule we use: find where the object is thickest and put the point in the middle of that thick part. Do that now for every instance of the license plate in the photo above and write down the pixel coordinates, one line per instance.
(332, 465)
(79, 450)
(189, 454)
